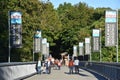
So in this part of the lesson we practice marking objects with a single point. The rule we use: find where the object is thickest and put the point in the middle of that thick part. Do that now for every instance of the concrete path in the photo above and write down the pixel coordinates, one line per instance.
(64, 75)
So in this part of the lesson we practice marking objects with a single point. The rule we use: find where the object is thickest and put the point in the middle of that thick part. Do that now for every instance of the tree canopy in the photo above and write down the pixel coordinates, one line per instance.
(63, 27)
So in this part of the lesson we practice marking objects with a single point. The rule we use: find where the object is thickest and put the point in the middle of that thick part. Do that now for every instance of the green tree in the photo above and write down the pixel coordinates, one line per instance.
(63, 27)
(35, 15)
(74, 19)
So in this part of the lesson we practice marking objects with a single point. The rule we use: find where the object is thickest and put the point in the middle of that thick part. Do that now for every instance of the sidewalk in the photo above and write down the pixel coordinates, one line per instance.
(64, 75)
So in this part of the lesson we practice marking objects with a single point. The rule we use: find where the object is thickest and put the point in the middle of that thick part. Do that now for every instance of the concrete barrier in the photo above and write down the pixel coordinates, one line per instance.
(16, 71)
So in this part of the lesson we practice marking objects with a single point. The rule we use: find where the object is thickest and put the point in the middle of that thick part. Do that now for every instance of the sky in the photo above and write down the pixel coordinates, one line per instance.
(114, 4)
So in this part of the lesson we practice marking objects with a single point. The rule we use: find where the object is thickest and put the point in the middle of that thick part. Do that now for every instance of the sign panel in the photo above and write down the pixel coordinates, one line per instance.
(15, 17)
(80, 44)
(44, 41)
(110, 34)
(37, 45)
(38, 34)
(44, 49)
(74, 51)
(111, 28)
(15, 29)
(81, 48)
(96, 32)
(87, 46)
(87, 49)
(37, 41)
(47, 49)
(96, 44)
(110, 17)
(44, 46)
(81, 51)
(87, 40)
(96, 40)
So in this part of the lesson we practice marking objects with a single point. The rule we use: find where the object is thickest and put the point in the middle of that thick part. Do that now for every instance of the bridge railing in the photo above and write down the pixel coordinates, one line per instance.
(16, 70)
(109, 70)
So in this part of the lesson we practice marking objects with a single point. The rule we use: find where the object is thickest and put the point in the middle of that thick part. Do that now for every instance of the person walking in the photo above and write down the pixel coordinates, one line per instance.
(76, 64)
(48, 66)
(38, 66)
(59, 64)
(70, 65)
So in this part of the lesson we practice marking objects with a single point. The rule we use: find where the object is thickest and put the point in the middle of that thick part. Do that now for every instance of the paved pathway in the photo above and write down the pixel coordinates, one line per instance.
(64, 75)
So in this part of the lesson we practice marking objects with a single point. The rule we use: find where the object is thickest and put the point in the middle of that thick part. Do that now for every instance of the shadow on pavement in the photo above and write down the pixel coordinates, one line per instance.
(82, 74)
(99, 77)
(76, 74)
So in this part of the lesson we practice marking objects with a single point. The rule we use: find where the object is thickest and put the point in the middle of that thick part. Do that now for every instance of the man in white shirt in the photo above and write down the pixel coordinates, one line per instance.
(76, 64)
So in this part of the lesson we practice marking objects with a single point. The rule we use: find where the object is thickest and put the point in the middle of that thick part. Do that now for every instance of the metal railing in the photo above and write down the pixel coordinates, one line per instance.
(111, 71)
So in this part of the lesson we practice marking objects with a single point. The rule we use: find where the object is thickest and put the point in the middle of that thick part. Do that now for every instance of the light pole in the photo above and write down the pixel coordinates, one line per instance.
(117, 39)
(9, 47)
(100, 45)
(33, 48)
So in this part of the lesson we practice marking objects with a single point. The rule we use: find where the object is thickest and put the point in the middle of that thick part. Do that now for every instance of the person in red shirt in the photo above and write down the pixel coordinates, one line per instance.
(71, 65)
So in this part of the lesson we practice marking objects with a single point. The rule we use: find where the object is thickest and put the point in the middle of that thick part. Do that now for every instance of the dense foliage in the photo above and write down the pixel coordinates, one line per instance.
(63, 27)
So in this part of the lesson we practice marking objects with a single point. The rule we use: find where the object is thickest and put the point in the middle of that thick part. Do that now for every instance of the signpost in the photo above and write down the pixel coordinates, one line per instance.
(15, 30)
(44, 47)
(81, 48)
(74, 51)
(111, 37)
(37, 41)
(47, 49)
(87, 47)
(96, 40)
(111, 29)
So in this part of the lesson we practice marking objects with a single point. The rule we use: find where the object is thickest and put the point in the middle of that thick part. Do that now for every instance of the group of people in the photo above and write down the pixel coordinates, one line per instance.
(45, 66)
(73, 66)
(57, 64)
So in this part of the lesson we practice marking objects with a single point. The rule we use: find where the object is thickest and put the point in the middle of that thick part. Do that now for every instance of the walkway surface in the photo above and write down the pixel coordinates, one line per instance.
(63, 74)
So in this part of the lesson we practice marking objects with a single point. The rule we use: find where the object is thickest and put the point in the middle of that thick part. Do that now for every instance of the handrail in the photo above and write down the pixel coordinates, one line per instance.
(109, 70)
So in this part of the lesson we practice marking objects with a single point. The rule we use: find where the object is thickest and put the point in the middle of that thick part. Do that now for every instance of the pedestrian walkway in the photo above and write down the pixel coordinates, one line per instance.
(63, 74)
